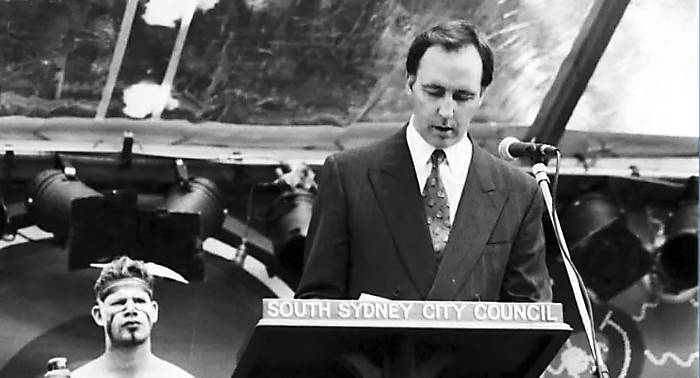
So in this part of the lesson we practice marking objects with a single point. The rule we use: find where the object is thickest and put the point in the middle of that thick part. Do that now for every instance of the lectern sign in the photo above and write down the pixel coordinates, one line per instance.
(413, 311)
(399, 339)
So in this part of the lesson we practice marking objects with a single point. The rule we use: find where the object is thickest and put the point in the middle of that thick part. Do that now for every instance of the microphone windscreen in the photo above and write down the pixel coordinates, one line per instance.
(503, 147)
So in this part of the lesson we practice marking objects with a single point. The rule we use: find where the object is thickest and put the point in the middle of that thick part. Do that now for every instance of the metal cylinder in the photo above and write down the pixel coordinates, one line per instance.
(587, 215)
(288, 221)
(50, 197)
(198, 196)
(607, 254)
(56, 363)
(678, 256)
(57, 367)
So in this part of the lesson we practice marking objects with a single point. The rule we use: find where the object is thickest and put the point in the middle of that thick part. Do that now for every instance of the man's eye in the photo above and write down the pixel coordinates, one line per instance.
(463, 96)
(436, 92)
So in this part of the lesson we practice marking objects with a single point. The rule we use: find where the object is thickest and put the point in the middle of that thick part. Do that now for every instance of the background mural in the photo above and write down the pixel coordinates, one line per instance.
(338, 62)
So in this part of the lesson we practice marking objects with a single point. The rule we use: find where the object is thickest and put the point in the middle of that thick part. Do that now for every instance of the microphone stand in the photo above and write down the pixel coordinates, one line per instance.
(539, 169)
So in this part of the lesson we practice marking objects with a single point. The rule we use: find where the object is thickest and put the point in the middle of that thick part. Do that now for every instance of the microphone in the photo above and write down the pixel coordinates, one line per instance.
(511, 148)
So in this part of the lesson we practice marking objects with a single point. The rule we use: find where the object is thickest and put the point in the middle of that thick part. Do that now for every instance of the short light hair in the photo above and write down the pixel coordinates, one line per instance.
(122, 268)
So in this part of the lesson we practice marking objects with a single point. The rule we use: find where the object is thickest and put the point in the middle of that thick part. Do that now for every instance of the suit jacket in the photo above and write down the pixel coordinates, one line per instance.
(368, 232)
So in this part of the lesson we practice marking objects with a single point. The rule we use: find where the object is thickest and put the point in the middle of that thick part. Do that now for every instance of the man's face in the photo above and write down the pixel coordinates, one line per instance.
(127, 315)
(446, 93)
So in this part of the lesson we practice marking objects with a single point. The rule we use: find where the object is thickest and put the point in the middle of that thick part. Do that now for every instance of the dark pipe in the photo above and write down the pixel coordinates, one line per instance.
(50, 199)
(198, 196)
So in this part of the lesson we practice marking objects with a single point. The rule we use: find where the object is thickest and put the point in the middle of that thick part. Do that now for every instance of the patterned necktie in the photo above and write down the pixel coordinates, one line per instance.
(437, 208)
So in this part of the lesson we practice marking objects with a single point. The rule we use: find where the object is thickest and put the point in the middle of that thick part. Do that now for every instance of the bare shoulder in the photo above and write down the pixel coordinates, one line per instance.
(90, 369)
(156, 368)
(167, 369)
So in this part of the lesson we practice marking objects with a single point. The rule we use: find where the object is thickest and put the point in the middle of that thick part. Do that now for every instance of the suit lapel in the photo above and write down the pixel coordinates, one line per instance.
(478, 211)
(395, 185)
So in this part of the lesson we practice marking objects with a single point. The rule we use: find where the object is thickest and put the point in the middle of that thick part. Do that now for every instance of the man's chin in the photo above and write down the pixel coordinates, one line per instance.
(128, 342)
(128, 339)
(442, 141)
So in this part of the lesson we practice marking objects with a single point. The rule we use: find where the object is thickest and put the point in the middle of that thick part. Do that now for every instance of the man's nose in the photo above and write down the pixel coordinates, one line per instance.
(130, 305)
(446, 108)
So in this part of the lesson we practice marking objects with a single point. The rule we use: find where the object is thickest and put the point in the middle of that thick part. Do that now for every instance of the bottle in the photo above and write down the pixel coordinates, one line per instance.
(57, 368)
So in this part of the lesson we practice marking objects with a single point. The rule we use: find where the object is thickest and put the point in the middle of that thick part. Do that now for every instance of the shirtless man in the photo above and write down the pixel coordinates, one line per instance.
(126, 311)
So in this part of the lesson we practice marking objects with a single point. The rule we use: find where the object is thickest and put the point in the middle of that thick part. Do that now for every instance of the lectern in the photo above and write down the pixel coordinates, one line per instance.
(407, 339)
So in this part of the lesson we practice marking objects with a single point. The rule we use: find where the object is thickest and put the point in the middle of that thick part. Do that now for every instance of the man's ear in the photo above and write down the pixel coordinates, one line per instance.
(410, 82)
(154, 318)
(97, 315)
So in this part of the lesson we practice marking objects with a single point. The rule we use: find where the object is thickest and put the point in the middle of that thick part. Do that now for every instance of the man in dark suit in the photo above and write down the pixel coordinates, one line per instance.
(427, 214)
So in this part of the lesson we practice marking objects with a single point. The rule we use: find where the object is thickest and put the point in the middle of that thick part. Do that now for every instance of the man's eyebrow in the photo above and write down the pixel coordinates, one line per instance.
(465, 91)
(455, 90)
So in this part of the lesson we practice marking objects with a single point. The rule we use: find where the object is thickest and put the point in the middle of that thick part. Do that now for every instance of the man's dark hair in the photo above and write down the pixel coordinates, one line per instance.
(452, 35)
(119, 269)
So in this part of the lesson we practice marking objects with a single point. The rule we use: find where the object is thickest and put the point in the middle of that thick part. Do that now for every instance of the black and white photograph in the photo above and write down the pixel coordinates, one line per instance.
(350, 189)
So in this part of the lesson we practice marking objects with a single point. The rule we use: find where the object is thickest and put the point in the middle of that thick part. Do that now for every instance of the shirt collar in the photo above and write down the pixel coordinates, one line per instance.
(421, 150)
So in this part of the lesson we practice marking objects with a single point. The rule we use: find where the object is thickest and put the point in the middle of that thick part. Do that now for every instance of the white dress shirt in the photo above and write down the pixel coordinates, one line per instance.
(453, 171)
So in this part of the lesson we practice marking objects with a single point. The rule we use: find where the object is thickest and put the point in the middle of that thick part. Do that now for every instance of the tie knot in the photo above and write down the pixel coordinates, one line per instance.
(437, 157)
